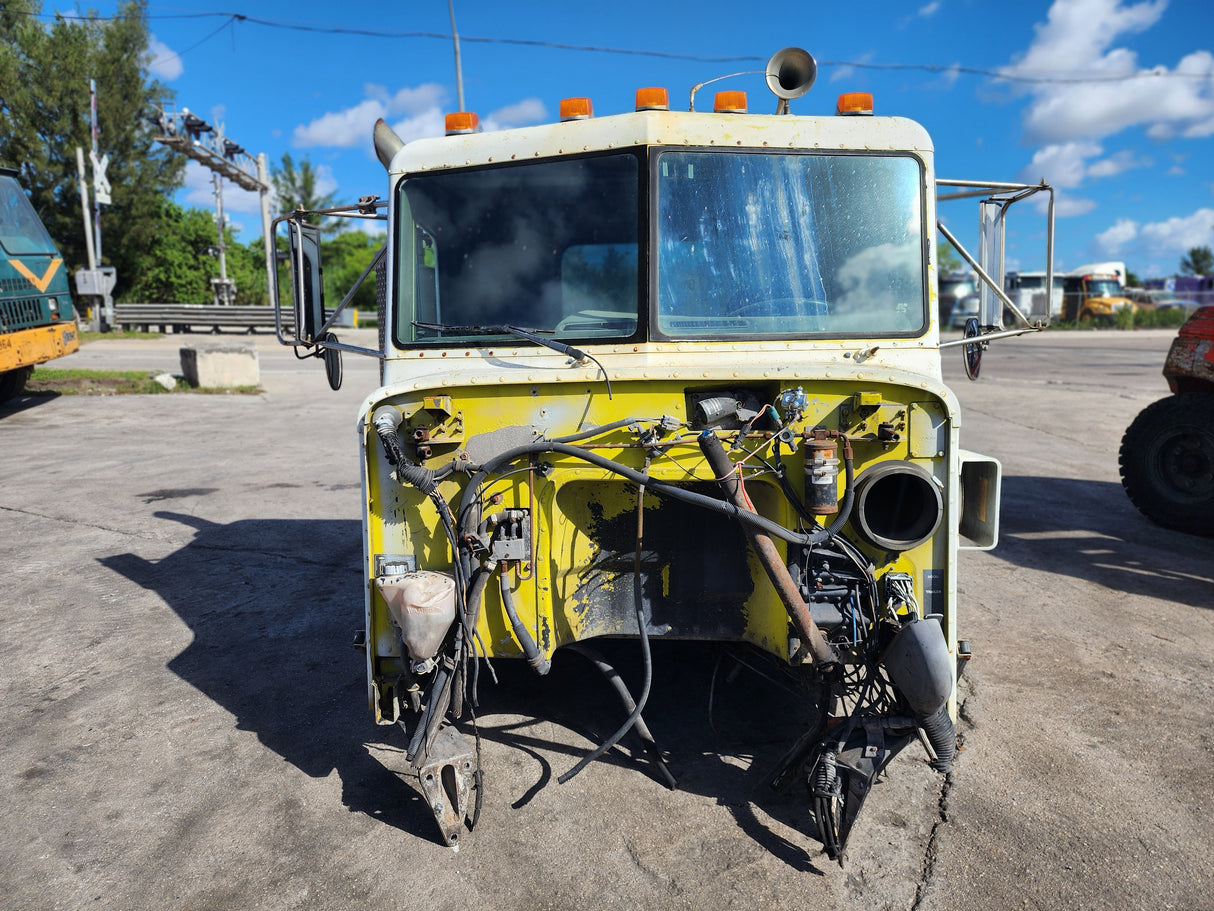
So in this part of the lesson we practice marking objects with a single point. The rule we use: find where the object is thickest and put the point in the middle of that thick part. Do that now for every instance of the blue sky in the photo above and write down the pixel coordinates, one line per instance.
(1110, 101)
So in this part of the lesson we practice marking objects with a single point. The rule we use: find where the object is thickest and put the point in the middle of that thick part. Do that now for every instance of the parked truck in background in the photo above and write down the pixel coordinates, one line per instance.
(1027, 289)
(1093, 298)
(37, 321)
(667, 374)
(1197, 288)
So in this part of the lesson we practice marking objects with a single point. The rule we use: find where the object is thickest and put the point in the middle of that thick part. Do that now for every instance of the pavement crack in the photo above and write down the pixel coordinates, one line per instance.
(76, 523)
(927, 869)
(174, 542)
(658, 878)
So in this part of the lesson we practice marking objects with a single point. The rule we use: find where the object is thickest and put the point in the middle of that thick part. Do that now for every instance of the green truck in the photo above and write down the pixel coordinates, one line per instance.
(37, 322)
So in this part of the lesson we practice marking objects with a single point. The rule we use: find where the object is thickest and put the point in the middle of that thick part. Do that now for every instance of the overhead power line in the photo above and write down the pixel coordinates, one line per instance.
(1055, 78)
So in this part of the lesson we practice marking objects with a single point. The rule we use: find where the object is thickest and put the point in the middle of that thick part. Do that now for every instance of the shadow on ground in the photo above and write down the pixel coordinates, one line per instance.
(273, 606)
(1115, 547)
(25, 402)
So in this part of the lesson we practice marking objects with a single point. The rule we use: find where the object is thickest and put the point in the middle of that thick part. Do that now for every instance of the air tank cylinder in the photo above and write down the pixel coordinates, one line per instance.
(822, 475)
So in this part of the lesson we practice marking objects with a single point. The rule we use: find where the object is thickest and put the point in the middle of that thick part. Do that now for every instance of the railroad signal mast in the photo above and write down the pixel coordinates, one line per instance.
(193, 137)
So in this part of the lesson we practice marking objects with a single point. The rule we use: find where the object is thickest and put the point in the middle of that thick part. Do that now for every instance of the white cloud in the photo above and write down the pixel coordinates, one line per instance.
(1067, 205)
(950, 75)
(1124, 160)
(351, 127)
(930, 9)
(1066, 166)
(1077, 42)
(161, 60)
(1155, 242)
(1180, 233)
(427, 123)
(413, 113)
(839, 73)
(1123, 231)
(369, 226)
(529, 110)
(341, 129)
(1061, 165)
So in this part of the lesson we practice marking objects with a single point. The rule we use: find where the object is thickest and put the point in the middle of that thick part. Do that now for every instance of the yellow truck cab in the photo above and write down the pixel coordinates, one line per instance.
(667, 374)
(1093, 298)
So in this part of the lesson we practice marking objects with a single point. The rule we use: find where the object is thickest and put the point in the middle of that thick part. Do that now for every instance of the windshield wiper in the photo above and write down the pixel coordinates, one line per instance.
(532, 335)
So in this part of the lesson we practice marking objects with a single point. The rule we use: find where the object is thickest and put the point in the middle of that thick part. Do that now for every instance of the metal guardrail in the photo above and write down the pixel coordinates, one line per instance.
(184, 317)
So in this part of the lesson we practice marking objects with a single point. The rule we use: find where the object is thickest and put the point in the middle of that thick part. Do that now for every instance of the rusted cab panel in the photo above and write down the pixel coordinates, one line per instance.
(1190, 363)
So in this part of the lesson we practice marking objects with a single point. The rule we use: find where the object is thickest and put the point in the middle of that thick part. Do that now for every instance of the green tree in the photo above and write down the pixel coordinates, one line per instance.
(1198, 261)
(345, 257)
(44, 117)
(946, 260)
(247, 267)
(296, 186)
(182, 268)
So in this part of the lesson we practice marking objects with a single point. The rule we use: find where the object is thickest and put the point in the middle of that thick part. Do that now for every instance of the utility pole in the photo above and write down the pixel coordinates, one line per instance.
(94, 159)
(459, 70)
(223, 288)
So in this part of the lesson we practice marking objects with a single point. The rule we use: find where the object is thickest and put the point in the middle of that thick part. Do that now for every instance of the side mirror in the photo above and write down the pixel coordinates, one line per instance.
(307, 288)
(991, 230)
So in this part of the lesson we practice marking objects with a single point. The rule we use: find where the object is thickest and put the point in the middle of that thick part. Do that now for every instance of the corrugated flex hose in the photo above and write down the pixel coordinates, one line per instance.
(942, 736)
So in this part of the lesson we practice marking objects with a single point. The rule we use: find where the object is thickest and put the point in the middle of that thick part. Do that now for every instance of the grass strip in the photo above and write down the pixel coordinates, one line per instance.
(68, 381)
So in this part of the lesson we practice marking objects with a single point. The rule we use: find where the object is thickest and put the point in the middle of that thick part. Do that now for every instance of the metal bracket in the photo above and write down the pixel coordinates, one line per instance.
(447, 778)
(395, 564)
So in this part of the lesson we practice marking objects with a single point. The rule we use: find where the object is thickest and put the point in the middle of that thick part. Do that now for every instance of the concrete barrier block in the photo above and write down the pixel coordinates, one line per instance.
(218, 365)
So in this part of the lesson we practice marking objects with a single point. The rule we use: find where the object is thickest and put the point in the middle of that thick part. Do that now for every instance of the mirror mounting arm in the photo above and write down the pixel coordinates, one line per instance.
(982, 274)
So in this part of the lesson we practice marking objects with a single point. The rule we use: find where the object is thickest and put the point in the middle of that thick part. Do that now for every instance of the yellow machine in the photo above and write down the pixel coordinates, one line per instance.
(667, 374)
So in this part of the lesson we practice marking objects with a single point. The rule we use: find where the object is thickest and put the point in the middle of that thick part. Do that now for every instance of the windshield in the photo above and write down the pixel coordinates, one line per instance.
(757, 244)
(551, 246)
(20, 229)
(1103, 287)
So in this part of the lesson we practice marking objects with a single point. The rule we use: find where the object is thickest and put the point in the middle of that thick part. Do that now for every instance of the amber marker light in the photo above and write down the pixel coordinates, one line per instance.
(653, 99)
(461, 122)
(855, 103)
(730, 103)
(576, 109)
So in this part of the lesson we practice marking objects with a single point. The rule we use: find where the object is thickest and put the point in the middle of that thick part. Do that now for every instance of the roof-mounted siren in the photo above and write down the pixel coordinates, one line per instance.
(790, 74)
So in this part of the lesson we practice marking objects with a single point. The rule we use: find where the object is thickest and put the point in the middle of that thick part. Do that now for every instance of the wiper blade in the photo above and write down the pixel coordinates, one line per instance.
(531, 335)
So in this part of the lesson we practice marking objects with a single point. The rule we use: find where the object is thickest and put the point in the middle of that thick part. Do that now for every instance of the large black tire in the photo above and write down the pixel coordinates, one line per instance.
(1167, 462)
(13, 381)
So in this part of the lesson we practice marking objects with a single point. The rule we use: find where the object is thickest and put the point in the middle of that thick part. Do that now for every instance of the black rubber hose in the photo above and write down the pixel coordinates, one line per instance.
(471, 492)
(605, 428)
(468, 620)
(531, 651)
(638, 600)
(391, 443)
(422, 478)
(617, 683)
(435, 696)
(942, 736)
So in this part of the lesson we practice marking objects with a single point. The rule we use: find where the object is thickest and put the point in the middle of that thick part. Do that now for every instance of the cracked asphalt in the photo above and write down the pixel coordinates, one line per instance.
(185, 727)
